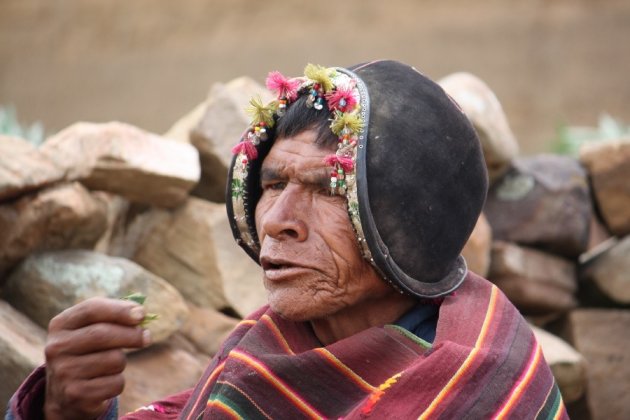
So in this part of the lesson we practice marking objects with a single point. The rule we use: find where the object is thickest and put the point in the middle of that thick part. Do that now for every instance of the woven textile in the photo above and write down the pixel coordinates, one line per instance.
(484, 363)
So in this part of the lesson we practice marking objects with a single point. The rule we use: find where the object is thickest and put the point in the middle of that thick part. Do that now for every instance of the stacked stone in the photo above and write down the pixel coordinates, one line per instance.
(560, 250)
(109, 210)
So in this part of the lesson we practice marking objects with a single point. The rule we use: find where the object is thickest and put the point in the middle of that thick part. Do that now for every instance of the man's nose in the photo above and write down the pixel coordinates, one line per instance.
(286, 218)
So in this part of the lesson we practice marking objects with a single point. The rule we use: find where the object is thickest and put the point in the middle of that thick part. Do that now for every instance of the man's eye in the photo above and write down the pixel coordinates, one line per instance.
(277, 186)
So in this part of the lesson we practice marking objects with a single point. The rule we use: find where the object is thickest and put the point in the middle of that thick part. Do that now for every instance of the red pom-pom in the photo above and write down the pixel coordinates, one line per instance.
(283, 87)
(246, 147)
(342, 93)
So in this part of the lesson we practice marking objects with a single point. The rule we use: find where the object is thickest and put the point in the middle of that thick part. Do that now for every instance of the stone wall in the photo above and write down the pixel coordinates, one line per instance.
(110, 209)
(560, 251)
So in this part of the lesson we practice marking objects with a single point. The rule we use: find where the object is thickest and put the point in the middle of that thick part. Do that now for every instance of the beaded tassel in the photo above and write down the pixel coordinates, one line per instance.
(282, 107)
(337, 180)
(316, 97)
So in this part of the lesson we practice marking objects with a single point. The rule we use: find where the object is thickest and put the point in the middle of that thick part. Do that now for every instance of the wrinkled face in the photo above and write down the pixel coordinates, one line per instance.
(312, 264)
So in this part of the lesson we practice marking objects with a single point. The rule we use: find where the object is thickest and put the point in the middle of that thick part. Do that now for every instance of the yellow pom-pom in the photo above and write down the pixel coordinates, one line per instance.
(320, 75)
(261, 113)
(349, 121)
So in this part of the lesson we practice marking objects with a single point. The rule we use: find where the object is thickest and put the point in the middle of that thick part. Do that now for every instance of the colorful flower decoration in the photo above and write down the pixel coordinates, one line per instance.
(322, 85)
(335, 91)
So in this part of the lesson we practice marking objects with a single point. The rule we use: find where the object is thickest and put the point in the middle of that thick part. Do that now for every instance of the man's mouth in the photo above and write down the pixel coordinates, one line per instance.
(275, 264)
(278, 269)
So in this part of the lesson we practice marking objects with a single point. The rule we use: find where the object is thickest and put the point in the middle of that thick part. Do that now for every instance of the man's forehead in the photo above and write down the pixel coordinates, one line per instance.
(311, 170)
(299, 152)
(275, 169)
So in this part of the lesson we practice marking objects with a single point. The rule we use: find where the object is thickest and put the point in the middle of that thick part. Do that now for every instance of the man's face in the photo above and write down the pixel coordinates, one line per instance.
(311, 261)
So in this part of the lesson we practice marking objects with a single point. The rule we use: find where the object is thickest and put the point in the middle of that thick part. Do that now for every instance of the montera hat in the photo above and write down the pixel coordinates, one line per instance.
(408, 162)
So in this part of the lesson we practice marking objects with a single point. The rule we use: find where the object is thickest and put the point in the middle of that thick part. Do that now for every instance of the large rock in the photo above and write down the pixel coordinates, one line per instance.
(125, 160)
(180, 131)
(207, 329)
(21, 350)
(543, 201)
(131, 227)
(537, 283)
(597, 233)
(192, 248)
(483, 109)
(160, 370)
(241, 276)
(568, 366)
(116, 210)
(65, 216)
(220, 128)
(604, 274)
(477, 248)
(608, 164)
(179, 247)
(45, 284)
(24, 168)
(601, 336)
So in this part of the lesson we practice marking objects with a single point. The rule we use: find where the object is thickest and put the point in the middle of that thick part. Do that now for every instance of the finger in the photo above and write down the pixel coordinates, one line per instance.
(53, 410)
(97, 310)
(88, 366)
(91, 395)
(95, 338)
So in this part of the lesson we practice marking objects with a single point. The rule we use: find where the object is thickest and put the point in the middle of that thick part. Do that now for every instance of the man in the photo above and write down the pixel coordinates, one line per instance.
(355, 191)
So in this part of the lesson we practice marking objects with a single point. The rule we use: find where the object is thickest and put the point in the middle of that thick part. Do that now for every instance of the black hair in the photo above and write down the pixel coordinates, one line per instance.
(299, 118)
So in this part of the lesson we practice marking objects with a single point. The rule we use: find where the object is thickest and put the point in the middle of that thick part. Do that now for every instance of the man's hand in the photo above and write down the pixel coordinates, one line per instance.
(84, 356)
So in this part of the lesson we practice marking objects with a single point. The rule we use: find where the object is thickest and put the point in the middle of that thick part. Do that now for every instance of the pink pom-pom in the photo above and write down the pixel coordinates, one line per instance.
(342, 93)
(283, 87)
(346, 163)
(246, 147)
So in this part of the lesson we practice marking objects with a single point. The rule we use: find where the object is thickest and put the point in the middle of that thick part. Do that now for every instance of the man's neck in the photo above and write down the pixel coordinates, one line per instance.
(357, 318)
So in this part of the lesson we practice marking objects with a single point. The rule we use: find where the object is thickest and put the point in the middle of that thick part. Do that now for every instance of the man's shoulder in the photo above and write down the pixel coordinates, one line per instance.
(477, 312)
(483, 291)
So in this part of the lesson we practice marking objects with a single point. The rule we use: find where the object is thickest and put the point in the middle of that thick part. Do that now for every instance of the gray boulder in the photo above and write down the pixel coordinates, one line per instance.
(64, 216)
(536, 282)
(47, 283)
(543, 202)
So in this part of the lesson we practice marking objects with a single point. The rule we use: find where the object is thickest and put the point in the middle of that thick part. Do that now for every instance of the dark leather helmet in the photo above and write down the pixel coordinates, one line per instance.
(418, 184)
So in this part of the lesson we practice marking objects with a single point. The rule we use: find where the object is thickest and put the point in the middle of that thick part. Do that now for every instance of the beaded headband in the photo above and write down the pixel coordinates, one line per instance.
(346, 97)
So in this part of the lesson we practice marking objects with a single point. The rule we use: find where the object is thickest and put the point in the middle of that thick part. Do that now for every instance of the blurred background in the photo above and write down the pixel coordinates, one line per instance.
(147, 62)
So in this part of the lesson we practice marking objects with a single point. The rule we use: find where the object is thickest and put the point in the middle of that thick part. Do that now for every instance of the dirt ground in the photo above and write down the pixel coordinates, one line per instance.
(148, 62)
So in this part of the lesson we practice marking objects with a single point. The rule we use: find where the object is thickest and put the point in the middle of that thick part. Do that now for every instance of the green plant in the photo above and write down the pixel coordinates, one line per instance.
(569, 138)
(10, 126)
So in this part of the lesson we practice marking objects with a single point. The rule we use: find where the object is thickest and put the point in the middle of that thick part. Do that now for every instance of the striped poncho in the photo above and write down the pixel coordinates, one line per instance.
(484, 363)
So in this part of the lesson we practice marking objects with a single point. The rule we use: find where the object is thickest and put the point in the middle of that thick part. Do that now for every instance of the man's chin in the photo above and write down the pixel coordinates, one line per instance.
(299, 305)
(290, 314)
